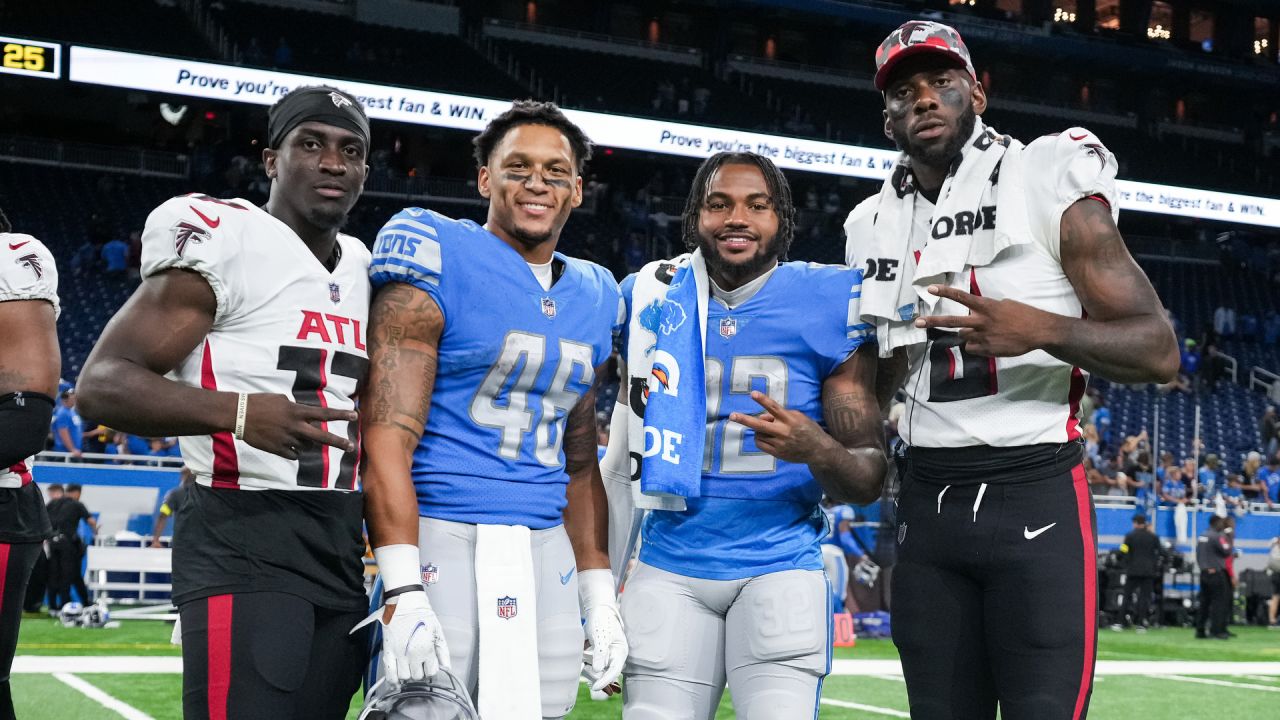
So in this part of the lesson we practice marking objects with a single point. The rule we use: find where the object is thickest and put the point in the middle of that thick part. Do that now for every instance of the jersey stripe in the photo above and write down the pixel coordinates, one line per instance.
(4, 571)
(226, 465)
(324, 424)
(994, 387)
(429, 274)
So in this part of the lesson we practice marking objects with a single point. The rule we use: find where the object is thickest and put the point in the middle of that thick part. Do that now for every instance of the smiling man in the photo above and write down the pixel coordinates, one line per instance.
(997, 280)
(731, 589)
(483, 483)
(246, 337)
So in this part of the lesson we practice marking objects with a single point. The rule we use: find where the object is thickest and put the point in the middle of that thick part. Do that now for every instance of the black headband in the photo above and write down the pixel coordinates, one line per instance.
(315, 104)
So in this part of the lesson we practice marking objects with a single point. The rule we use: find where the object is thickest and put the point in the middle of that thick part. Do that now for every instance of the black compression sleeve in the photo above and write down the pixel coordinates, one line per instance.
(24, 425)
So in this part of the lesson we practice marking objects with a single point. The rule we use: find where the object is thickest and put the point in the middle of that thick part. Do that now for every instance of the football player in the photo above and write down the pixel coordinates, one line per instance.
(29, 365)
(732, 589)
(247, 338)
(486, 347)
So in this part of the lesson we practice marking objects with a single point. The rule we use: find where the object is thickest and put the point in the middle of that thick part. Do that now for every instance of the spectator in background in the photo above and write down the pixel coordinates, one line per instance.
(172, 503)
(1251, 478)
(1144, 476)
(115, 257)
(66, 548)
(1141, 550)
(68, 428)
(1102, 423)
(165, 447)
(1273, 570)
(1233, 495)
(1269, 431)
(85, 258)
(1248, 326)
(1173, 491)
(1270, 477)
(126, 444)
(1212, 552)
(1211, 478)
(1190, 360)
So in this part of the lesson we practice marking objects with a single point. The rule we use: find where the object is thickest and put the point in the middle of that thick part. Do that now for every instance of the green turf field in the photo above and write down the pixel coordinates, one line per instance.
(61, 693)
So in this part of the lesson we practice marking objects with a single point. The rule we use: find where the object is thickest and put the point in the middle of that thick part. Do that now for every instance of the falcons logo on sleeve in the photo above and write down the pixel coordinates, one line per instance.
(32, 263)
(184, 232)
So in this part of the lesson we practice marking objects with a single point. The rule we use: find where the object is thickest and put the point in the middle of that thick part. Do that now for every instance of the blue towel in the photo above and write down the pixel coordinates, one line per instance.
(675, 418)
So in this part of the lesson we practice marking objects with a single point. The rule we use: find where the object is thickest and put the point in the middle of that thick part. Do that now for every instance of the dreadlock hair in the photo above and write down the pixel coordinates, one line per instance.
(4, 223)
(532, 112)
(779, 190)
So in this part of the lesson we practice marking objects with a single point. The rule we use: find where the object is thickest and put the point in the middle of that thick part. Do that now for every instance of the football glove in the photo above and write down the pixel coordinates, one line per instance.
(606, 643)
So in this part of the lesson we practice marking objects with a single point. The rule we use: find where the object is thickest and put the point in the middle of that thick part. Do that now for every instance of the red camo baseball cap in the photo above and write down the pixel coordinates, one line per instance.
(920, 36)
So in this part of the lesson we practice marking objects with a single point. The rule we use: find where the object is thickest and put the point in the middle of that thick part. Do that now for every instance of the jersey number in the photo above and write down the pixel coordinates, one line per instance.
(309, 383)
(734, 457)
(502, 402)
(955, 374)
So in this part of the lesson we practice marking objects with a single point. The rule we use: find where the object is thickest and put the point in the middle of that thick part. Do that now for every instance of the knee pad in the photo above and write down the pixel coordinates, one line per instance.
(560, 643)
(650, 628)
(24, 425)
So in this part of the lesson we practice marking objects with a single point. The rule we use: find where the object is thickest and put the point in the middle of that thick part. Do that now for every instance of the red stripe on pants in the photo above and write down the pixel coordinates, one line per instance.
(4, 571)
(1084, 510)
(219, 655)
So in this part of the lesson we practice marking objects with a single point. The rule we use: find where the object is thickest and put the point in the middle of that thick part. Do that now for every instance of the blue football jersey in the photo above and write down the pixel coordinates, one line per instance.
(836, 514)
(513, 360)
(759, 514)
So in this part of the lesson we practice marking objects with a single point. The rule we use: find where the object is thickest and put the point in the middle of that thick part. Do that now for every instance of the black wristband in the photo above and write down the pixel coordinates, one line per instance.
(387, 595)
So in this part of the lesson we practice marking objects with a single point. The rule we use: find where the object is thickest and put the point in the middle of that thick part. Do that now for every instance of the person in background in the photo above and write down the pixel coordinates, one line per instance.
(68, 428)
(1212, 552)
(1141, 551)
(66, 548)
(173, 502)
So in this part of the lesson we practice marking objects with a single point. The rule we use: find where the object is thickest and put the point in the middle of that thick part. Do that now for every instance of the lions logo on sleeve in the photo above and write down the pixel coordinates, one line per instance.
(27, 270)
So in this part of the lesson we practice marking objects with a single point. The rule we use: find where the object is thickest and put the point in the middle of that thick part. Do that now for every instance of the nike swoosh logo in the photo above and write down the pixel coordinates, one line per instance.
(564, 579)
(409, 642)
(211, 223)
(1033, 534)
(1078, 137)
(15, 246)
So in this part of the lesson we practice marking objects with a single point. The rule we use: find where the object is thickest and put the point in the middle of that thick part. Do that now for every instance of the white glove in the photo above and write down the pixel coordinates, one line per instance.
(866, 572)
(606, 643)
(413, 644)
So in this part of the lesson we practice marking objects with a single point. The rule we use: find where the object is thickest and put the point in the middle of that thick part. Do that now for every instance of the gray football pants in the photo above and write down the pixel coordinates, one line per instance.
(451, 548)
(768, 637)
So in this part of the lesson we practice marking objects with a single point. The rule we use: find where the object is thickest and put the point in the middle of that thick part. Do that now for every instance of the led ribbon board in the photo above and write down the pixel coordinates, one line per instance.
(30, 57)
(423, 107)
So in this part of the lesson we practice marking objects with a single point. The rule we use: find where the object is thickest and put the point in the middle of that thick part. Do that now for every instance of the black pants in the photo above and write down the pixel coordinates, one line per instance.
(64, 572)
(995, 598)
(38, 584)
(1137, 598)
(16, 560)
(1215, 602)
(269, 656)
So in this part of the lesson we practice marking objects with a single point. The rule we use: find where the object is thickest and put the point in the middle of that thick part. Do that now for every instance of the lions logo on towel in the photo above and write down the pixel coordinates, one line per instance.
(506, 607)
(673, 316)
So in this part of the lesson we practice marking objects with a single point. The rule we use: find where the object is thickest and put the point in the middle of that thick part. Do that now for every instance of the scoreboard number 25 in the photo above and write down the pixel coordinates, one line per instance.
(30, 57)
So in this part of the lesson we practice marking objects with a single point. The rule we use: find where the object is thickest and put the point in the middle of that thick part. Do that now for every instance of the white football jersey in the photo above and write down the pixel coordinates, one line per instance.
(27, 272)
(955, 399)
(284, 324)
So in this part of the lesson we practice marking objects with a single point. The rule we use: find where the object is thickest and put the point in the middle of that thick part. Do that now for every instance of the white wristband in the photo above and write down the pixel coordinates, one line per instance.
(398, 565)
(242, 409)
(595, 588)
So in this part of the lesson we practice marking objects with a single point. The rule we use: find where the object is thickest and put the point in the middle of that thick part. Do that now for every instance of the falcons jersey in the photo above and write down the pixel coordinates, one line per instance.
(955, 399)
(27, 272)
(514, 359)
(284, 324)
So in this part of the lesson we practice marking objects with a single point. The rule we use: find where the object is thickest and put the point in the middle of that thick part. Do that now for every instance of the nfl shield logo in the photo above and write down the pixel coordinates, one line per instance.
(506, 607)
(335, 293)
(430, 574)
(548, 307)
(728, 328)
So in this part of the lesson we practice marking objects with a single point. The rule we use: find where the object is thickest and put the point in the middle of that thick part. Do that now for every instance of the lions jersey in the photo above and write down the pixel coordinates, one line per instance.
(27, 272)
(835, 515)
(513, 360)
(758, 514)
(284, 324)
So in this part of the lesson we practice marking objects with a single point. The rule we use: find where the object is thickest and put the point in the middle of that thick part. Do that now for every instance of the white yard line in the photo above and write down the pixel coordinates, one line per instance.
(866, 708)
(1220, 683)
(884, 668)
(45, 664)
(128, 712)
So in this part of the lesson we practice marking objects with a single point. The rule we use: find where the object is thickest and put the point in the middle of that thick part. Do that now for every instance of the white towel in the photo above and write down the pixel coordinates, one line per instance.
(989, 174)
(621, 462)
(509, 686)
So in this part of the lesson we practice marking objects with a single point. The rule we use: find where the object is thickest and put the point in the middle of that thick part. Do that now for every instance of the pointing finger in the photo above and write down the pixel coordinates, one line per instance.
(968, 300)
(947, 321)
(767, 403)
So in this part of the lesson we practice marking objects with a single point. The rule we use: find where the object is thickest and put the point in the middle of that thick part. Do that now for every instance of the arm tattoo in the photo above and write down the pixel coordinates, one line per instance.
(404, 332)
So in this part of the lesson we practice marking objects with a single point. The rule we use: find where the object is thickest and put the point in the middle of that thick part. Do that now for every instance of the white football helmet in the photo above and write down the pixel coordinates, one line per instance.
(95, 616)
(69, 615)
(439, 697)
